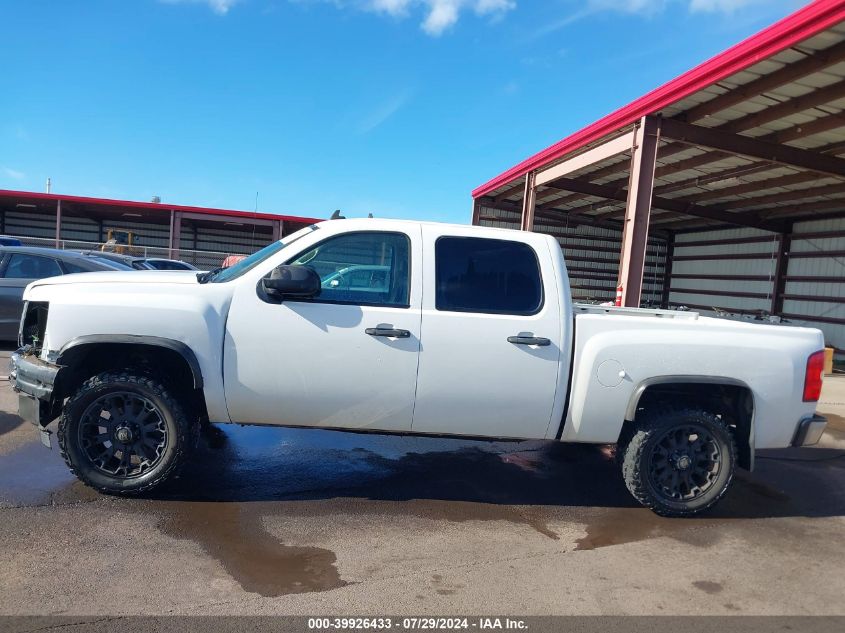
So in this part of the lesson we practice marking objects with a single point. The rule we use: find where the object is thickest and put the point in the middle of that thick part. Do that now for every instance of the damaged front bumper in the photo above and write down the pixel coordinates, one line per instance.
(33, 379)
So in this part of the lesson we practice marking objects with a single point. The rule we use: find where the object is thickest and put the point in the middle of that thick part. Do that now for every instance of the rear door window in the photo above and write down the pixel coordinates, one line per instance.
(487, 276)
(73, 268)
(24, 266)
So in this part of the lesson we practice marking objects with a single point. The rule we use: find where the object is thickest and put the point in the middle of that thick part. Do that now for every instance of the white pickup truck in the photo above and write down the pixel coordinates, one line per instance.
(410, 328)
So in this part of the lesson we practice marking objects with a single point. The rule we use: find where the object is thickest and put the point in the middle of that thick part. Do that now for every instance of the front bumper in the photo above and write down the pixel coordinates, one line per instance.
(809, 430)
(33, 379)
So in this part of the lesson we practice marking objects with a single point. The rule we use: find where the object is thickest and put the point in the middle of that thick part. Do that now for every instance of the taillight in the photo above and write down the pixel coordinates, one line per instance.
(813, 377)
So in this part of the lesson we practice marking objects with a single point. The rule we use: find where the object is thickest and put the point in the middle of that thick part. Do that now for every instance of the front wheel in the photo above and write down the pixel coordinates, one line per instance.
(679, 462)
(124, 433)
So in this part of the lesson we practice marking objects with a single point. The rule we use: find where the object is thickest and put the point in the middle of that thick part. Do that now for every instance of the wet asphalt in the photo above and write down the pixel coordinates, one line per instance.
(265, 521)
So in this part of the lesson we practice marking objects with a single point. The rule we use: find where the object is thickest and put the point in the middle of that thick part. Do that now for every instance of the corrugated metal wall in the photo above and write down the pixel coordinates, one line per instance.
(737, 274)
(711, 275)
(819, 265)
(592, 256)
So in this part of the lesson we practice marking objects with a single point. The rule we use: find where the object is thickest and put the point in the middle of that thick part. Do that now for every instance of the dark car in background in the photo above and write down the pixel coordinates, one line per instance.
(129, 261)
(140, 263)
(168, 264)
(20, 265)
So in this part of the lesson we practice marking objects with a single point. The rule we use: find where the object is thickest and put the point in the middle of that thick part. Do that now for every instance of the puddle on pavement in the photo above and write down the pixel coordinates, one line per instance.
(233, 533)
(463, 511)
(630, 525)
(35, 475)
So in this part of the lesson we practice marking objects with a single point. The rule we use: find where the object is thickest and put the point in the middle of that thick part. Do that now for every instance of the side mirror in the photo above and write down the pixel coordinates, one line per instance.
(293, 282)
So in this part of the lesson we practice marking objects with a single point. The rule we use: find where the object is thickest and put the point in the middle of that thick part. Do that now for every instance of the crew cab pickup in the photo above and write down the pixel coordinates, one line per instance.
(409, 328)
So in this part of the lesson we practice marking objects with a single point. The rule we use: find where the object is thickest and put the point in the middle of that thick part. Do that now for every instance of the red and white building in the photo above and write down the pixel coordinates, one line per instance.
(198, 235)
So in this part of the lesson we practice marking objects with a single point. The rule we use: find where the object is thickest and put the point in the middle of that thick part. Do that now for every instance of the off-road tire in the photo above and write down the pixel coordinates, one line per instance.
(636, 452)
(182, 430)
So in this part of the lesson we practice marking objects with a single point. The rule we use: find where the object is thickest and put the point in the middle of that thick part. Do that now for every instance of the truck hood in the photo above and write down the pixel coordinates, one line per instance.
(122, 278)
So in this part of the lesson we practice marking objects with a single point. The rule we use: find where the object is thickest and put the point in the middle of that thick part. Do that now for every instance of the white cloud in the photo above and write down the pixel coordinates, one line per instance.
(14, 174)
(440, 15)
(628, 6)
(655, 6)
(383, 112)
(397, 8)
(644, 8)
(724, 6)
(220, 7)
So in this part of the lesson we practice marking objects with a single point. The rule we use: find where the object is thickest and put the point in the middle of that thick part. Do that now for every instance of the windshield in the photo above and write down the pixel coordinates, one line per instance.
(248, 263)
(110, 263)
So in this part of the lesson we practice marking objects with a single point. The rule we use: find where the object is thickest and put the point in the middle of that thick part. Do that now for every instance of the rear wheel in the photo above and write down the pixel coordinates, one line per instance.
(124, 433)
(679, 462)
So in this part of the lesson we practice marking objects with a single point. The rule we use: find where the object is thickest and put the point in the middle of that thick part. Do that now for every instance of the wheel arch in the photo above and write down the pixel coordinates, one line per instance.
(77, 347)
(173, 361)
(735, 398)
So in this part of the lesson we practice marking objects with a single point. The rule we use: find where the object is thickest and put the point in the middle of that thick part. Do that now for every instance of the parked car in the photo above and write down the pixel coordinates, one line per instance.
(141, 263)
(5, 240)
(156, 263)
(473, 335)
(129, 261)
(20, 265)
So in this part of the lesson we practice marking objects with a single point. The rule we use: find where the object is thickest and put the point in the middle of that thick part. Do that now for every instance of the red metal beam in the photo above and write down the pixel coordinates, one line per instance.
(781, 266)
(796, 194)
(725, 256)
(152, 206)
(808, 101)
(785, 75)
(721, 293)
(529, 202)
(721, 277)
(717, 138)
(814, 319)
(714, 212)
(667, 274)
(638, 210)
(58, 223)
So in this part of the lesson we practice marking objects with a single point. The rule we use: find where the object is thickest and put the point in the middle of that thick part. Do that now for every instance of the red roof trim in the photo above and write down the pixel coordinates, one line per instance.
(156, 206)
(801, 25)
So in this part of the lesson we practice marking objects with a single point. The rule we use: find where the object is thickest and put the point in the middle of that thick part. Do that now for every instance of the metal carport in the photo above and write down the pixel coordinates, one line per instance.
(724, 187)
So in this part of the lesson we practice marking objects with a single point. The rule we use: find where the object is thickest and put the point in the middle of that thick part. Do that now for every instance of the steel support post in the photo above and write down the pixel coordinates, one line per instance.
(638, 210)
(529, 202)
(175, 233)
(667, 271)
(781, 270)
(58, 224)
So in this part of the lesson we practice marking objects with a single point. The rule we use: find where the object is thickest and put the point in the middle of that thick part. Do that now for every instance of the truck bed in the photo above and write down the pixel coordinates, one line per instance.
(589, 308)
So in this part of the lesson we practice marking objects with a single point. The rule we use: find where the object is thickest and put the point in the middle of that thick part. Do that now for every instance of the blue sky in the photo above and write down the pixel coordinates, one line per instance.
(395, 107)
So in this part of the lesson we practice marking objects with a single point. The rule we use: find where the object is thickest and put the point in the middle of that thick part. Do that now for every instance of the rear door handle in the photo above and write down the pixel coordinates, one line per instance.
(386, 331)
(529, 340)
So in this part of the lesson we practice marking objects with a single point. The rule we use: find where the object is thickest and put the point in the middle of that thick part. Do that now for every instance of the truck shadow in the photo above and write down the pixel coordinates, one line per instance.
(270, 464)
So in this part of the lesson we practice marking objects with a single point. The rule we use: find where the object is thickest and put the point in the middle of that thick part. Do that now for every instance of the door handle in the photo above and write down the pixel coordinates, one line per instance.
(386, 331)
(529, 340)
